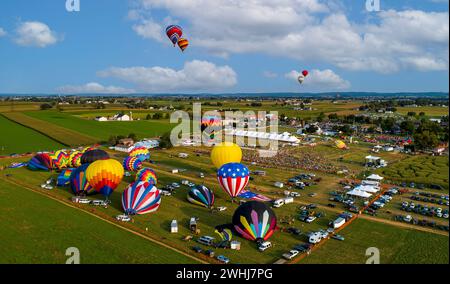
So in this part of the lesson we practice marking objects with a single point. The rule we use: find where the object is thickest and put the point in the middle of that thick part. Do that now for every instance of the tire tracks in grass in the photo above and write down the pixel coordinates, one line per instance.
(106, 220)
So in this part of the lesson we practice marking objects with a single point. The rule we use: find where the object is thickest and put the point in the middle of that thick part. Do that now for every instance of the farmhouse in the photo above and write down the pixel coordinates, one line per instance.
(101, 118)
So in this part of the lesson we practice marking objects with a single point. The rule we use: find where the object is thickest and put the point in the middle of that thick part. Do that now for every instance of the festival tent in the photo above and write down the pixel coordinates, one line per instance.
(370, 182)
(375, 177)
(359, 193)
(367, 188)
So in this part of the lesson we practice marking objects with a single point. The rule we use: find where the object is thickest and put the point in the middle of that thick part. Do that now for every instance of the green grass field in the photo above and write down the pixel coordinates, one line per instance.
(103, 130)
(36, 229)
(429, 111)
(399, 246)
(419, 169)
(16, 138)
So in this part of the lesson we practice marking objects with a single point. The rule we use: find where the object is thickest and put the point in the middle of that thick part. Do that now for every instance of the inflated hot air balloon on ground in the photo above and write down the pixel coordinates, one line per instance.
(141, 153)
(148, 175)
(254, 221)
(201, 195)
(75, 159)
(174, 33)
(105, 175)
(141, 198)
(64, 177)
(225, 234)
(79, 183)
(233, 178)
(132, 164)
(183, 44)
(87, 149)
(340, 144)
(93, 155)
(225, 153)
(41, 162)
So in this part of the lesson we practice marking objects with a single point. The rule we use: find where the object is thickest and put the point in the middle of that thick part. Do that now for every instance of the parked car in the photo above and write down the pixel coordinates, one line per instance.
(264, 246)
(223, 259)
(197, 249)
(294, 231)
(291, 254)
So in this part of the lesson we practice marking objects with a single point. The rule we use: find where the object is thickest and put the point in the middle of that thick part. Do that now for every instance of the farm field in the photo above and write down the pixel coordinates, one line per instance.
(396, 245)
(28, 237)
(22, 137)
(429, 111)
(101, 131)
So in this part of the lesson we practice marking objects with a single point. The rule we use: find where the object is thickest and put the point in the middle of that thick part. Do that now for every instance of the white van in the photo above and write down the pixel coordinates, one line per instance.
(265, 245)
(315, 238)
(206, 240)
(278, 203)
(288, 200)
(123, 218)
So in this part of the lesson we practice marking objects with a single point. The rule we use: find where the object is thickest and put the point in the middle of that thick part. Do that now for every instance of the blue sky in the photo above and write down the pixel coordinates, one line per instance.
(119, 46)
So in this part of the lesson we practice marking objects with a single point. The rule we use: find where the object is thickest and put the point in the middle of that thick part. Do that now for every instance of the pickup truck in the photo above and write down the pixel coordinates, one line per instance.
(291, 254)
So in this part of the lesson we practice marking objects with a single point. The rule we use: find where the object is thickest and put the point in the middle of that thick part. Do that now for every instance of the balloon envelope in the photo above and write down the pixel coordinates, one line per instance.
(183, 43)
(233, 178)
(64, 177)
(132, 164)
(141, 198)
(93, 155)
(201, 195)
(79, 183)
(141, 153)
(305, 73)
(254, 221)
(41, 162)
(225, 153)
(105, 175)
(148, 175)
(75, 159)
(174, 33)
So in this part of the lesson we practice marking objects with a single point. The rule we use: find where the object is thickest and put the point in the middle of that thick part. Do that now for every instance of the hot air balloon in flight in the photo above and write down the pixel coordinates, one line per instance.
(147, 175)
(225, 153)
(75, 159)
(183, 44)
(174, 33)
(132, 164)
(142, 153)
(233, 178)
(302, 76)
(41, 162)
(210, 124)
(79, 183)
(105, 175)
(93, 155)
(254, 221)
(201, 195)
(64, 177)
(141, 198)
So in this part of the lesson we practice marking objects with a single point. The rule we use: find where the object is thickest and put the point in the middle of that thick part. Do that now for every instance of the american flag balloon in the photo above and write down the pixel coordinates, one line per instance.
(141, 198)
(233, 177)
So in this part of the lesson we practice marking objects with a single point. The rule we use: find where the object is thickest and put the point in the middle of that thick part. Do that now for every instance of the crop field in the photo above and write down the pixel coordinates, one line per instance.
(101, 131)
(429, 110)
(28, 237)
(420, 170)
(18, 106)
(16, 138)
(58, 133)
(396, 245)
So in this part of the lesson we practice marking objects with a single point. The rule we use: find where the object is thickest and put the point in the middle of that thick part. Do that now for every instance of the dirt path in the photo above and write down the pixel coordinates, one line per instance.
(105, 220)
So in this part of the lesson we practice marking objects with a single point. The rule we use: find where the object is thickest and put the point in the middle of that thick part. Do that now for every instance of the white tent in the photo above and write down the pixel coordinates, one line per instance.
(367, 188)
(370, 182)
(359, 193)
(375, 177)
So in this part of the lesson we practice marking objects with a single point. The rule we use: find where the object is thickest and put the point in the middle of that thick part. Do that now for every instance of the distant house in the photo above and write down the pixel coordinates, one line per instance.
(122, 117)
(128, 142)
(101, 118)
(123, 148)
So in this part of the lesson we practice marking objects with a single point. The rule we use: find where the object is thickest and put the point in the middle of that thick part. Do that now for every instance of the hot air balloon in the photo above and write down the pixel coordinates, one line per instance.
(142, 153)
(254, 221)
(64, 177)
(183, 44)
(233, 177)
(340, 144)
(201, 195)
(225, 234)
(224, 153)
(105, 175)
(305, 73)
(93, 155)
(87, 149)
(132, 164)
(75, 159)
(213, 123)
(41, 162)
(174, 33)
(148, 175)
(79, 183)
(141, 198)
(60, 159)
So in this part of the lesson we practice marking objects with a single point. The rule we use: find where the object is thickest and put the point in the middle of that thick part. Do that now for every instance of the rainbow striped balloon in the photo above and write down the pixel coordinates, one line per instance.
(132, 164)
(147, 175)
(141, 153)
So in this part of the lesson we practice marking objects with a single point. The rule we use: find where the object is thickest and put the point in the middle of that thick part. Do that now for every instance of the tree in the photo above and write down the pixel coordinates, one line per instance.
(411, 113)
(333, 116)
(321, 117)
(165, 141)
(311, 129)
(421, 113)
(157, 115)
(112, 140)
(45, 106)
(148, 117)
(407, 126)
(426, 140)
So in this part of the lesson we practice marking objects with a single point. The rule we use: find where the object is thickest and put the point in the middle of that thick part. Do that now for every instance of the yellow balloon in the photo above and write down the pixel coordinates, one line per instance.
(225, 153)
(340, 144)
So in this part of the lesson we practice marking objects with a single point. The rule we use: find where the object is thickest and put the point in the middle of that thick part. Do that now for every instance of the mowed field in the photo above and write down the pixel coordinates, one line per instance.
(430, 111)
(36, 229)
(101, 131)
(396, 245)
(420, 170)
(16, 138)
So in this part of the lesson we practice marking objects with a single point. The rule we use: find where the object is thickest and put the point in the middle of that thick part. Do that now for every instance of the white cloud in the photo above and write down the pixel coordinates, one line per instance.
(2, 32)
(321, 80)
(35, 34)
(270, 74)
(195, 76)
(93, 88)
(149, 29)
(310, 30)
